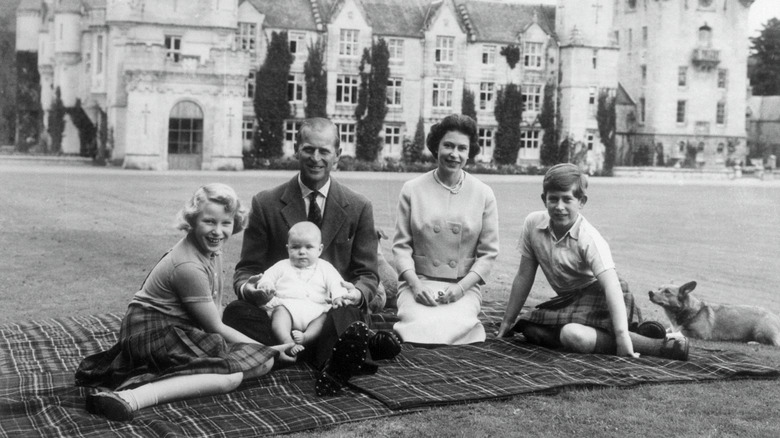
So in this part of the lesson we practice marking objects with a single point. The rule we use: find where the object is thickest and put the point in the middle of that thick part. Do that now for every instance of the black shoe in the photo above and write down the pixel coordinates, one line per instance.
(651, 329)
(384, 345)
(109, 405)
(346, 360)
(675, 348)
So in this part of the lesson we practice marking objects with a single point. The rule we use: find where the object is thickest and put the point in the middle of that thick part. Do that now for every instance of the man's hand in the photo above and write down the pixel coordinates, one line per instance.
(353, 297)
(255, 293)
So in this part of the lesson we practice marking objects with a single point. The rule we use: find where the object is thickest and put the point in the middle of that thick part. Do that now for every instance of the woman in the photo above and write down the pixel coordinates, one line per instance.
(446, 239)
(172, 343)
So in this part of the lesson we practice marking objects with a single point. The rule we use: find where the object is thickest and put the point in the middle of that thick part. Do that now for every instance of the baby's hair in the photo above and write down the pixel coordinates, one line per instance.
(565, 176)
(305, 228)
(454, 122)
(218, 193)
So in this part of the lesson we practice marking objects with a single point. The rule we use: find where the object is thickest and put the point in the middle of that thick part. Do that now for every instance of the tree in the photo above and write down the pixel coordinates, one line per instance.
(512, 55)
(606, 118)
(316, 82)
(509, 114)
(56, 121)
(7, 83)
(765, 74)
(564, 151)
(372, 101)
(468, 106)
(548, 155)
(413, 152)
(86, 129)
(29, 112)
(272, 105)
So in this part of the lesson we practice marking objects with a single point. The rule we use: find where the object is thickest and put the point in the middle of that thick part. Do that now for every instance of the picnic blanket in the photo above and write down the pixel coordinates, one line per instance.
(38, 396)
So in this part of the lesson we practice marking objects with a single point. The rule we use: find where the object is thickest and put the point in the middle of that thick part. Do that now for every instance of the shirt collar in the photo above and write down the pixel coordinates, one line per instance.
(574, 231)
(305, 190)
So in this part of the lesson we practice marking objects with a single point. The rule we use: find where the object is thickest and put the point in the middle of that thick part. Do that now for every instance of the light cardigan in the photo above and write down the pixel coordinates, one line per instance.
(443, 235)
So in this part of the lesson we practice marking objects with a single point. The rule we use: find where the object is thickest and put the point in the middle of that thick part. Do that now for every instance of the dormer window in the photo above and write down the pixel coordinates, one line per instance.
(348, 42)
(445, 49)
(705, 36)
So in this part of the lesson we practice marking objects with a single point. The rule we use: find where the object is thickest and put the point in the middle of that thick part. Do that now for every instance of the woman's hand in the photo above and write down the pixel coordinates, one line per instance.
(453, 293)
(424, 296)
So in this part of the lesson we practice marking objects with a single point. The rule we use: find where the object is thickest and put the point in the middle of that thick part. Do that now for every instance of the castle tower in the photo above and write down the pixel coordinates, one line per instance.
(588, 64)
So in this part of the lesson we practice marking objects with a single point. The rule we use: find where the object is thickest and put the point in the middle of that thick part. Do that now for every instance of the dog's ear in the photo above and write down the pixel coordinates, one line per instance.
(687, 288)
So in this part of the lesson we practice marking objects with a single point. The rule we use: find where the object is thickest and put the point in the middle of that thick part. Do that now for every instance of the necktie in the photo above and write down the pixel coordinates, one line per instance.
(315, 214)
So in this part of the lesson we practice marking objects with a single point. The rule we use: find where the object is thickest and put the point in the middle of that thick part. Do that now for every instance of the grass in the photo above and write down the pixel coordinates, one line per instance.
(80, 240)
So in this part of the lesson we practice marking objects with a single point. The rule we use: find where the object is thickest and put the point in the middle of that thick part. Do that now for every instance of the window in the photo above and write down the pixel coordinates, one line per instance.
(642, 110)
(682, 76)
(442, 94)
(644, 37)
(394, 92)
(630, 39)
(250, 86)
(295, 84)
(445, 49)
(705, 36)
(723, 76)
(247, 129)
(291, 128)
(346, 89)
(396, 48)
(532, 54)
(485, 138)
(631, 4)
(532, 97)
(595, 58)
(297, 42)
(173, 48)
(720, 113)
(680, 111)
(617, 38)
(489, 55)
(392, 137)
(346, 132)
(592, 99)
(590, 138)
(348, 42)
(643, 69)
(246, 36)
(486, 95)
(99, 54)
(185, 129)
(529, 139)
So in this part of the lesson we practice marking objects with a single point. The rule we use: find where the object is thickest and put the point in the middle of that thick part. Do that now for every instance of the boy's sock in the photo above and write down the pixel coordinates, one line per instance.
(541, 335)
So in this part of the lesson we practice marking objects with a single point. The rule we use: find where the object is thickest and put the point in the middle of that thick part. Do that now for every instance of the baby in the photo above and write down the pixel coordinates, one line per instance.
(304, 287)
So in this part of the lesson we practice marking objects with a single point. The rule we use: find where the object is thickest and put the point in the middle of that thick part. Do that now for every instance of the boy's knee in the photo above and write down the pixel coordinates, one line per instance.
(228, 382)
(578, 338)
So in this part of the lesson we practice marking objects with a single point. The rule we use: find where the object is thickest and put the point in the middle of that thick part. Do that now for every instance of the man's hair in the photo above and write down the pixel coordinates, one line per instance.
(316, 124)
(565, 176)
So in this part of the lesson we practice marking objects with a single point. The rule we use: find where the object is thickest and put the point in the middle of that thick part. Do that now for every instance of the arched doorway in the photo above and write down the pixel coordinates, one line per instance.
(185, 136)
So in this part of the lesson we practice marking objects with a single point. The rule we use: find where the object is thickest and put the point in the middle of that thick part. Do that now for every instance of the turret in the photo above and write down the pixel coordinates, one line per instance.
(28, 25)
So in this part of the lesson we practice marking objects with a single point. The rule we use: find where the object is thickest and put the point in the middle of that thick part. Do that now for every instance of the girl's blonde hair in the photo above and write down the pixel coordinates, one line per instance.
(218, 193)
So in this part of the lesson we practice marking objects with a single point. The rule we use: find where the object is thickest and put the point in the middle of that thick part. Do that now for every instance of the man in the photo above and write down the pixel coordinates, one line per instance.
(350, 241)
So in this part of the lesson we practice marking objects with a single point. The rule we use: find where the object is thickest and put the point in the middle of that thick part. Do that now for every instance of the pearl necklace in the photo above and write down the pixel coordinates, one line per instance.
(455, 189)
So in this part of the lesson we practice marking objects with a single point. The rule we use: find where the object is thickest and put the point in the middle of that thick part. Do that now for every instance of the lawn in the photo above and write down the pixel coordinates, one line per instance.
(80, 240)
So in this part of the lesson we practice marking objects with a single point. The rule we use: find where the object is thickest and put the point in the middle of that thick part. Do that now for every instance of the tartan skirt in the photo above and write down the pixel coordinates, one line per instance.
(154, 346)
(587, 306)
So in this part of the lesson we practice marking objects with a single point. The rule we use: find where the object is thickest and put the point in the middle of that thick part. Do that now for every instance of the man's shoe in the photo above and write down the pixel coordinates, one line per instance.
(109, 405)
(346, 360)
(384, 345)
(651, 329)
(675, 348)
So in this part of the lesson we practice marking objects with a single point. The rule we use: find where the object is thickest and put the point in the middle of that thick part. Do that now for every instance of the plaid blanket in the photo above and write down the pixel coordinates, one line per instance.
(38, 396)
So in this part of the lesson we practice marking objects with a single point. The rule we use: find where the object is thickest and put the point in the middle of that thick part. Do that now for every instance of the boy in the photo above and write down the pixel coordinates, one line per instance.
(589, 315)
(304, 287)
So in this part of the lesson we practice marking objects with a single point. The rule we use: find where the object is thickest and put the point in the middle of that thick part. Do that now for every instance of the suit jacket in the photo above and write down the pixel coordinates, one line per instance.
(348, 236)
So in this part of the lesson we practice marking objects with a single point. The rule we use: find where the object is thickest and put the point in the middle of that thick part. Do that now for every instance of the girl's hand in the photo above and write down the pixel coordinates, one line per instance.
(504, 331)
(424, 296)
(625, 347)
(453, 293)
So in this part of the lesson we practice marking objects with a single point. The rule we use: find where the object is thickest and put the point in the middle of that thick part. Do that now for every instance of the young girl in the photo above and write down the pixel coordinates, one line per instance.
(178, 307)
(304, 286)
(589, 315)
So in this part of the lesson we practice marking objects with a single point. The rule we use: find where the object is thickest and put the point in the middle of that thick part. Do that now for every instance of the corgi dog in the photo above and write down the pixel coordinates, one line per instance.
(715, 322)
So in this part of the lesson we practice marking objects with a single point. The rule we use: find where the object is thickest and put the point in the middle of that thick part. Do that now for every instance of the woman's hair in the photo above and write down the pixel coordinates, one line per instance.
(565, 176)
(454, 122)
(218, 193)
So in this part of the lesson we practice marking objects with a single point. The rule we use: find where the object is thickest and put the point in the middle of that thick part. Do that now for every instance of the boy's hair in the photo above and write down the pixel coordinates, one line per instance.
(305, 228)
(565, 176)
(218, 193)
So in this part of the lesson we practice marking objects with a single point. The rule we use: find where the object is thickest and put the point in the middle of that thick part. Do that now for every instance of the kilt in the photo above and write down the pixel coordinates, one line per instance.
(587, 306)
(154, 346)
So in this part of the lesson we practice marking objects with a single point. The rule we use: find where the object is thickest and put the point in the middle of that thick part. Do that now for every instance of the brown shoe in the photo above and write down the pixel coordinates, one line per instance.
(675, 349)
(109, 405)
